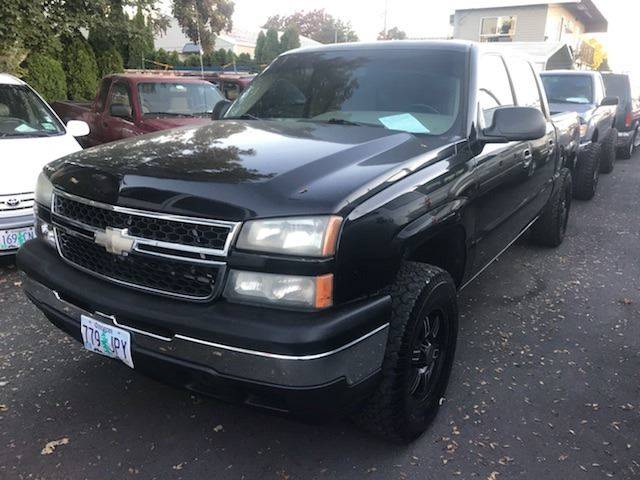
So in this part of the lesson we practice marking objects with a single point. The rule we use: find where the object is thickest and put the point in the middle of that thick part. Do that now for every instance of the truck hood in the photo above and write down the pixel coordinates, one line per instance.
(155, 124)
(23, 159)
(236, 170)
(585, 111)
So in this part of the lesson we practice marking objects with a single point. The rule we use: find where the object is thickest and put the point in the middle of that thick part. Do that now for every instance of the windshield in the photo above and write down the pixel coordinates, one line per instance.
(23, 114)
(177, 99)
(416, 91)
(568, 88)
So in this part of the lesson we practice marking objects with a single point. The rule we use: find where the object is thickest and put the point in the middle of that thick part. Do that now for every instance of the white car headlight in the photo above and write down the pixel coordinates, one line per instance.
(280, 290)
(44, 190)
(303, 236)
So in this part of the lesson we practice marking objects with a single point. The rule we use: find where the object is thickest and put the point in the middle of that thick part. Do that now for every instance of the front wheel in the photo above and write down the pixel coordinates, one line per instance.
(549, 230)
(423, 330)
(587, 172)
(608, 158)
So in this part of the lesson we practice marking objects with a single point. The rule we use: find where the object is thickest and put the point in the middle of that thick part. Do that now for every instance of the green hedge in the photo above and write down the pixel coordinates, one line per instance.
(79, 63)
(46, 76)
(109, 62)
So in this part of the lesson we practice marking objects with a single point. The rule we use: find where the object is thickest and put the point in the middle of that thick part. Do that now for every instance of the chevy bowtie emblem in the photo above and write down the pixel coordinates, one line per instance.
(115, 240)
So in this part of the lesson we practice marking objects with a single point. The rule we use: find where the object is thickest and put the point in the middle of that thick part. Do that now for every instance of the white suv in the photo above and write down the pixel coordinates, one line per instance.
(31, 135)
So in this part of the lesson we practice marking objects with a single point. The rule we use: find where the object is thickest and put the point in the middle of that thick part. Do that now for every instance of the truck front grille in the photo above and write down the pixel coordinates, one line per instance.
(192, 281)
(166, 255)
(205, 235)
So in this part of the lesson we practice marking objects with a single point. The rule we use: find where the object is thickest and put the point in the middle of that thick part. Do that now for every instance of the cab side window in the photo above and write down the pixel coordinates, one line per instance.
(494, 88)
(120, 102)
(524, 83)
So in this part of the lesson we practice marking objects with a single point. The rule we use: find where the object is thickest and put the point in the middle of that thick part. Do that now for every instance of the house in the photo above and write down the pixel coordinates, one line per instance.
(527, 21)
(238, 41)
(543, 55)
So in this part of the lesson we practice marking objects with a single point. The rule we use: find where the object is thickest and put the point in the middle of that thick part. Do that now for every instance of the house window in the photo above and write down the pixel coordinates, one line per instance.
(498, 29)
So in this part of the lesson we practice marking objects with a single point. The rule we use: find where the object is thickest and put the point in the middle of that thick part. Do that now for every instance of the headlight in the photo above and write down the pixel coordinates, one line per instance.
(44, 190)
(583, 129)
(304, 236)
(280, 290)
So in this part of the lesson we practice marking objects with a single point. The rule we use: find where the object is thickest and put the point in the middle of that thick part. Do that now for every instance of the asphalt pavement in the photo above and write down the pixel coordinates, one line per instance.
(546, 384)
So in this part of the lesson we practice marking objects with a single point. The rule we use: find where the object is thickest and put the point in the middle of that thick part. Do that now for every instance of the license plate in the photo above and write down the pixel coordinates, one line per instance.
(12, 239)
(106, 340)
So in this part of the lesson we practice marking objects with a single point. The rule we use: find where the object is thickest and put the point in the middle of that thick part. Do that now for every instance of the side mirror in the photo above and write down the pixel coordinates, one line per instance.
(219, 109)
(78, 128)
(609, 102)
(120, 110)
(511, 124)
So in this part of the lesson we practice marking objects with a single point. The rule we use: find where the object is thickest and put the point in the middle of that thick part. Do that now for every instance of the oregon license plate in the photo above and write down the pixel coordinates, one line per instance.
(106, 340)
(13, 239)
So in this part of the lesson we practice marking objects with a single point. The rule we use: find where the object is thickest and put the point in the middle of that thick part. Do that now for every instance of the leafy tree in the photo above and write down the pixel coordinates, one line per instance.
(271, 46)
(81, 69)
(174, 59)
(46, 76)
(140, 41)
(36, 25)
(259, 52)
(392, 34)
(290, 39)
(109, 62)
(204, 19)
(316, 24)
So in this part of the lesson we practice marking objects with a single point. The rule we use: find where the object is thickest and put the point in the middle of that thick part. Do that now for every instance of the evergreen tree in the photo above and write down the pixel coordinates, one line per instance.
(259, 53)
(290, 39)
(271, 46)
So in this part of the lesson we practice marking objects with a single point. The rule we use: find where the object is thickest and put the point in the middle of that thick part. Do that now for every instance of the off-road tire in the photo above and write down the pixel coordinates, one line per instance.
(608, 158)
(628, 150)
(393, 412)
(549, 230)
(587, 172)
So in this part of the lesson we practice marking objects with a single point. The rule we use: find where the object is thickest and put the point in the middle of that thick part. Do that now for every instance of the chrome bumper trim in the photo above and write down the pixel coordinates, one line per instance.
(354, 361)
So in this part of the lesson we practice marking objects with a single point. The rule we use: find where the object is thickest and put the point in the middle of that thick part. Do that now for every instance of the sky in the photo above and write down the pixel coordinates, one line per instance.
(430, 18)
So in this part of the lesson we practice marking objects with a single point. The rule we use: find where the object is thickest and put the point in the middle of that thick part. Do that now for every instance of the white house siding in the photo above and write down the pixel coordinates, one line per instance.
(531, 22)
(554, 22)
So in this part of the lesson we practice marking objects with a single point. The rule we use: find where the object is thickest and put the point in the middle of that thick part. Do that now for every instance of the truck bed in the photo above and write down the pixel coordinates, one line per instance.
(68, 110)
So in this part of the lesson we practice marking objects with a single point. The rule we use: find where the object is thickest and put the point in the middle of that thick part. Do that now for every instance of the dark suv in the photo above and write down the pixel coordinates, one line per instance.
(628, 114)
(303, 254)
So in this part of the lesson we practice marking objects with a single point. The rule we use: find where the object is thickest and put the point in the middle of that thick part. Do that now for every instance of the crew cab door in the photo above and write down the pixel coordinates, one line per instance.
(118, 121)
(501, 170)
(540, 155)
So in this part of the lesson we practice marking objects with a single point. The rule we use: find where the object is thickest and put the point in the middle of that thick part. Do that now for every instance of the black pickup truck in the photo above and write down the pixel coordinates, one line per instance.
(303, 254)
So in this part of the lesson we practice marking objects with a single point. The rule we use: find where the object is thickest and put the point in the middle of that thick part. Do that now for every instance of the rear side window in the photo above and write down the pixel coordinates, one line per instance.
(120, 95)
(524, 83)
(617, 86)
(494, 89)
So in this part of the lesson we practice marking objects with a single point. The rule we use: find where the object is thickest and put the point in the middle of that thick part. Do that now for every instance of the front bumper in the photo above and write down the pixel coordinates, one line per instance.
(19, 221)
(327, 366)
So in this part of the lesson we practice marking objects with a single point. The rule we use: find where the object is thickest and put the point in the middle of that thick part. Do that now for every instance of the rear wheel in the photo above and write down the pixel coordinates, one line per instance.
(628, 150)
(551, 227)
(587, 172)
(608, 158)
(419, 356)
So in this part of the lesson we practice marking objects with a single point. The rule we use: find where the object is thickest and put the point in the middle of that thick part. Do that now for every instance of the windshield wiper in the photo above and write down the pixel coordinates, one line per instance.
(343, 121)
(170, 114)
(244, 116)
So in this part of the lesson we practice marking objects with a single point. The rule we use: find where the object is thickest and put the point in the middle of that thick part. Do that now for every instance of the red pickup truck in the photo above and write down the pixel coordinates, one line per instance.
(128, 105)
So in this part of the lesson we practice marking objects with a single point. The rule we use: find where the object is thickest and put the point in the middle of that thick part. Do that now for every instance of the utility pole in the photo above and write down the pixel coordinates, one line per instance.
(386, 5)
(195, 7)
